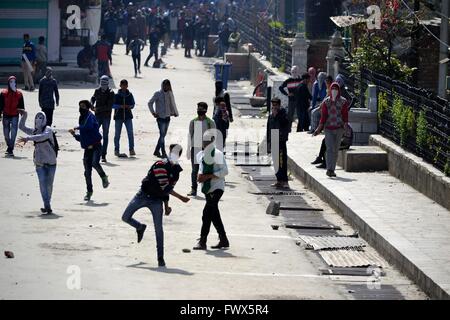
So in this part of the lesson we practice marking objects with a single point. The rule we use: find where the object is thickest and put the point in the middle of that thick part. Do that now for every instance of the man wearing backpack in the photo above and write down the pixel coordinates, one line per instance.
(155, 190)
(197, 128)
(44, 156)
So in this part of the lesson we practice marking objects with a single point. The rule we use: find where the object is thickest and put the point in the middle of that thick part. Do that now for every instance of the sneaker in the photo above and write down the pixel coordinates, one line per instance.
(132, 153)
(200, 245)
(140, 233)
(103, 159)
(161, 262)
(222, 244)
(276, 184)
(323, 165)
(331, 173)
(135, 75)
(193, 193)
(88, 196)
(120, 155)
(157, 154)
(105, 182)
(317, 161)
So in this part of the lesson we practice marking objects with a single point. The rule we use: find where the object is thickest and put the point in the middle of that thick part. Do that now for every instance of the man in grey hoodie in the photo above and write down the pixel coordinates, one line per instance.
(44, 154)
(165, 108)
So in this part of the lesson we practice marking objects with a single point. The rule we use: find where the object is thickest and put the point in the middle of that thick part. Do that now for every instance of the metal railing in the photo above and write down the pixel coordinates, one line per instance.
(423, 128)
(272, 42)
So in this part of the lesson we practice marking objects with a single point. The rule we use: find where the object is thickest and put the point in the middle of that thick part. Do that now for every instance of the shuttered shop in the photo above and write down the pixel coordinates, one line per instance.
(16, 19)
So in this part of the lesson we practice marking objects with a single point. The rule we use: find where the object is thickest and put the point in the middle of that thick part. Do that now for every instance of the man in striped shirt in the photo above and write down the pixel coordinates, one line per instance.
(155, 190)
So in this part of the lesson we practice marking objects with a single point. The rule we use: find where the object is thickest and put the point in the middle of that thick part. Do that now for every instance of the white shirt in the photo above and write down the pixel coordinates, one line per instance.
(220, 169)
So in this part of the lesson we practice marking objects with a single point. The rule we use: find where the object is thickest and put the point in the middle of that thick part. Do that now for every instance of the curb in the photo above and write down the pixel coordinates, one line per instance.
(375, 239)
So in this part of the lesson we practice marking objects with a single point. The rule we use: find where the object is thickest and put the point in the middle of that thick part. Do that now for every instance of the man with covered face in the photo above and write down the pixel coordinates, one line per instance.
(197, 128)
(292, 83)
(91, 141)
(11, 101)
(48, 93)
(44, 156)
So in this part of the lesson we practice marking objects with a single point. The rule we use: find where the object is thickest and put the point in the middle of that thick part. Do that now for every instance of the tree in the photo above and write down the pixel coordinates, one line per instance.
(375, 48)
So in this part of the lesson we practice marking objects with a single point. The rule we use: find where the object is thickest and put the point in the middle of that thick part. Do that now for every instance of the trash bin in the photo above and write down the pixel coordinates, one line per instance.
(223, 72)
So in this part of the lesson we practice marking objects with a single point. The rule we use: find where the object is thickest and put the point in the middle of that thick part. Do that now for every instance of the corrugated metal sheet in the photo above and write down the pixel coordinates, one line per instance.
(351, 258)
(346, 21)
(321, 243)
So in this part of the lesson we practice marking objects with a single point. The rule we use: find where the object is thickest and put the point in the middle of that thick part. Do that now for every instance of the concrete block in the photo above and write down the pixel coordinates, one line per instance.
(370, 127)
(275, 82)
(240, 65)
(361, 138)
(356, 126)
(365, 159)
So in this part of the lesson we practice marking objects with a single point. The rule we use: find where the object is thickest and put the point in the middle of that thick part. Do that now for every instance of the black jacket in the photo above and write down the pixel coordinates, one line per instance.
(161, 179)
(103, 101)
(280, 122)
(302, 96)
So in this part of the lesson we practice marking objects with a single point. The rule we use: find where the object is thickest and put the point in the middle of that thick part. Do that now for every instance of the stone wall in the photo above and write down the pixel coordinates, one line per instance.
(317, 53)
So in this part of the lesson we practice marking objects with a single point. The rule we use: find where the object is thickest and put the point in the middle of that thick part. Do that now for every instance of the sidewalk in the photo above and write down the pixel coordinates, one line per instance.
(406, 227)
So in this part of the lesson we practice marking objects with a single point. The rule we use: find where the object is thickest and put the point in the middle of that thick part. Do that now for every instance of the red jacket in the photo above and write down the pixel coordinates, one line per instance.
(10, 101)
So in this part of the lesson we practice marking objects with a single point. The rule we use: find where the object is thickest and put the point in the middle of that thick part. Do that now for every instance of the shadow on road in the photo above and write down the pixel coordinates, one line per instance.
(344, 179)
(91, 203)
(220, 254)
(50, 216)
(109, 164)
(141, 265)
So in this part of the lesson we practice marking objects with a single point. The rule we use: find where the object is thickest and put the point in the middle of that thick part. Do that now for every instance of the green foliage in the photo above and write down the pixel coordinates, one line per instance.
(404, 119)
(422, 135)
(301, 26)
(382, 105)
(276, 24)
(373, 54)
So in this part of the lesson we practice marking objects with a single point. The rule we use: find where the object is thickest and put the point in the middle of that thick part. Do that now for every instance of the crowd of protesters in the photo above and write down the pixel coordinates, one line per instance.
(319, 102)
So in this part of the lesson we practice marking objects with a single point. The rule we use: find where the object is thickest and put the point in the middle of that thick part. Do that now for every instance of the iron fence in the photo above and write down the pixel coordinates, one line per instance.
(272, 41)
(415, 118)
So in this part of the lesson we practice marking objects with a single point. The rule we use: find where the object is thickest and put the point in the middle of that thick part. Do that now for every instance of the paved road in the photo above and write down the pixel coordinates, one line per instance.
(91, 238)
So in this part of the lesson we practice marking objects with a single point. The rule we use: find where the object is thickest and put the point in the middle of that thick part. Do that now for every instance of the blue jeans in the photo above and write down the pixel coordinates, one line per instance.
(46, 176)
(163, 126)
(129, 125)
(174, 37)
(10, 126)
(104, 122)
(103, 68)
(141, 200)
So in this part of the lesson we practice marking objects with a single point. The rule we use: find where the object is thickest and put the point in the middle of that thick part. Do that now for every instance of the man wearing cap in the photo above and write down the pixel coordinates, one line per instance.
(48, 93)
(278, 121)
(103, 100)
(197, 128)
